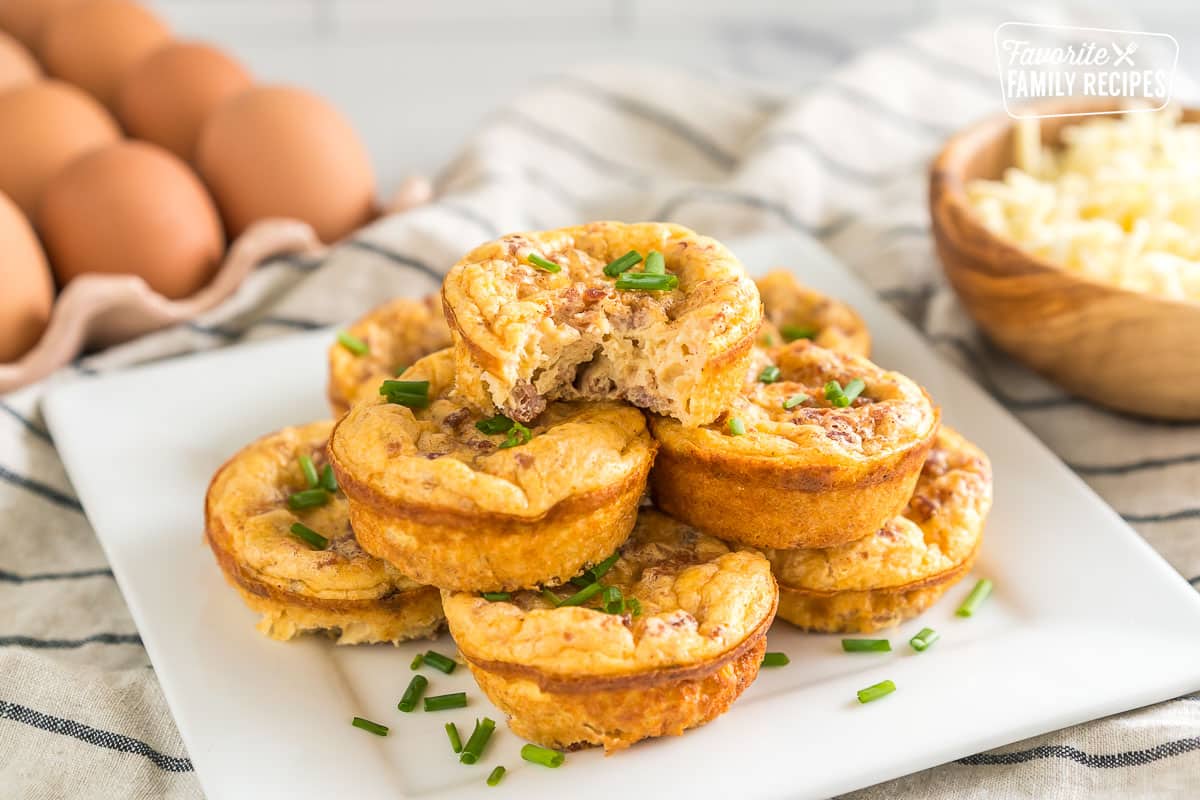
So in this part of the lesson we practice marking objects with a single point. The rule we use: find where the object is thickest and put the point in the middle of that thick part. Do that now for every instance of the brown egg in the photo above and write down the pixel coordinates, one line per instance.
(28, 289)
(25, 19)
(95, 43)
(166, 98)
(276, 151)
(133, 208)
(43, 126)
(17, 65)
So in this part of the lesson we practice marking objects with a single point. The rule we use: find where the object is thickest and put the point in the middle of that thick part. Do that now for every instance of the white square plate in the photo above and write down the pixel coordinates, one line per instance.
(1086, 620)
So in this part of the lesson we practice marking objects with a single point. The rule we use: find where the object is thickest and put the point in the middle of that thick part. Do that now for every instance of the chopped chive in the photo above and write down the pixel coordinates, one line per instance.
(551, 598)
(328, 479)
(310, 471)
(518, 435)
(600, 570)
(544, 264)
(417, 661)
(452, 733)
(794, 400)
(655, 264)
(353, 343)
(309, 498)
(496, 776)
(440, 662)
(614, 601)
(923, 640)
(416, 688)
(775, 660)
(791, 333)
(635, 606)
(445, 702)
(975, 599)
(473, 749)
(398, 370)
(625, 262)
(314, 539)
(413, 394)
(768, 340)
(840, 397)
(866, 646)
(770, 374)
(881, 689)
(493, 425)
(582, 596)
(542, 755)
(370, 727)
(736, 427)
(497, 597)
(646, 282)
(854, 388)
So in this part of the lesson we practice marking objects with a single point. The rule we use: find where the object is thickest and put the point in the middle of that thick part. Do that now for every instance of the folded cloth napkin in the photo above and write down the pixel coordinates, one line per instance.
(81, 712)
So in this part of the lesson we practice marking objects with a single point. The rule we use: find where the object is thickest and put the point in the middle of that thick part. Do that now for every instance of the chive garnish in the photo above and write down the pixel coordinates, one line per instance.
(582, 596)
(310, 471)
(494, 425)
(473, 749)
(737, 427)
(314, 539)
(413, 394)
(646, 282)
(840, 397)
(775, 660)
(496, 776)
(614, 601)
(445, 702)
(866, 646)
(600, 570)
(635, 606)
(370, 727)
(417, 661)
(923, 640)
(791, 333)
(398, 370)
(545, 265)
(416, 688)
(440, 662)
(768, 340)
(328, 479)
(551, 598)
(452, 733)
(542, 755)
(518, 435)
(881, 689)
(352, 343)
(794, 401)
(655, 264)
(975, 598)
(497, 597)
(854, 388)
(769, 374)
(625, 262)
(309, 498)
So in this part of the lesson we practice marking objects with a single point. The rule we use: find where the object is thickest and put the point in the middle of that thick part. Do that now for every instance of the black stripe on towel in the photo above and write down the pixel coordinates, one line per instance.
(1168, 516)
(1129, 758)
(1135, 466)
(41, 490)
(395, 258)
(13, 577)
(93, 736)
(69, 644)
(701, 194)
(27, 423)
(567, 144)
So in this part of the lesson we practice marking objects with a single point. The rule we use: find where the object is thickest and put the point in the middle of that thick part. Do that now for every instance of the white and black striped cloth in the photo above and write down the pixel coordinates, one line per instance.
(81, 713)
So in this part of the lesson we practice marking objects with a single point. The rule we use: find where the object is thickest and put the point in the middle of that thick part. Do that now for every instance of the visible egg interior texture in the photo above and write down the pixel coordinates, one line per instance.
(17, 65)
(132, 208)
(26, 288)
(43, 126)
(95, 43)
(166, 98)
(275, 151)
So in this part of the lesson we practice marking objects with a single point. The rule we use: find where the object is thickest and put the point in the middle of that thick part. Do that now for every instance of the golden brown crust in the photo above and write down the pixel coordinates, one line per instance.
(397, 334)
(787, 303)
(447, 504)
(813, 475)
(524, 336)
(897, 573)
(295, 587)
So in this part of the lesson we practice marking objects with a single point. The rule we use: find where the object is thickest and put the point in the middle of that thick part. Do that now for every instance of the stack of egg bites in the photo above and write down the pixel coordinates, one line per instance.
(500, 449)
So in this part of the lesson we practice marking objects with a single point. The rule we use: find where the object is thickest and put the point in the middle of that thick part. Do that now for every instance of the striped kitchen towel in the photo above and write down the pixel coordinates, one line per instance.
(81, 713)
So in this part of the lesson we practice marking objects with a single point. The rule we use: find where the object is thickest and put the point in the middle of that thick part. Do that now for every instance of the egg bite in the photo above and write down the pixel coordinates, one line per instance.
(470, 502)
(317, 579)
(674, 637)
(551, 315)
(793, 311)
(819, 449)
(903, 568)
(385, 342)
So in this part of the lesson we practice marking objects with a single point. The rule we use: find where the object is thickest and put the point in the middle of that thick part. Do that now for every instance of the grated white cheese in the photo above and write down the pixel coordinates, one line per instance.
(1119, 201)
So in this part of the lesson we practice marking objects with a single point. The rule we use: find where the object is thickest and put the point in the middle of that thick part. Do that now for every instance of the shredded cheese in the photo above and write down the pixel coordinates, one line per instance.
(1119, 201)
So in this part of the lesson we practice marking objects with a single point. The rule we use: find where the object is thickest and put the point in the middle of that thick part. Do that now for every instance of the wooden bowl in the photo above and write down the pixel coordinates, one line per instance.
(1126, 350)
